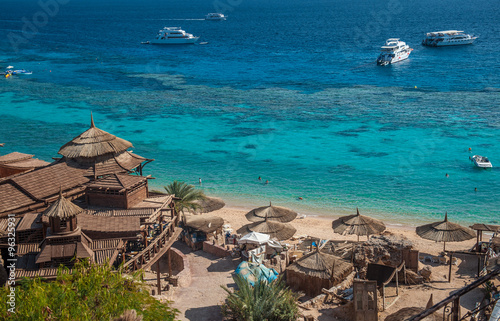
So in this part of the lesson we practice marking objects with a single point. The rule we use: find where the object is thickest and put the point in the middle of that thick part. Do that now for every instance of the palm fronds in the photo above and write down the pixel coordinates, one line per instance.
(187, 194)
(263, 302)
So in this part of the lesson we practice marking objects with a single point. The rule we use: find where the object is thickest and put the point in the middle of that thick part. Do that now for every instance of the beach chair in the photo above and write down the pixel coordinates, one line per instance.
(454, 261)
(435, 259)
(421, 257)
(442, 260)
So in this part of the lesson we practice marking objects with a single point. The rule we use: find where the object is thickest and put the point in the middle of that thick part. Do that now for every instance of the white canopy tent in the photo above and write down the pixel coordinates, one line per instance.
(254, 238)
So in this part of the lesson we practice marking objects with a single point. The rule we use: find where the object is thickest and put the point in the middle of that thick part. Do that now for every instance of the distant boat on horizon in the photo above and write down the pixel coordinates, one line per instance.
(172, 36)
(393, 51)
(215, 16)
(447, 38)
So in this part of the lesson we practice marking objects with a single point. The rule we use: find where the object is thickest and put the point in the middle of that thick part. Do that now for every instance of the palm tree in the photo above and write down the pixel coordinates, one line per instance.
(263, 302)
(187, 195)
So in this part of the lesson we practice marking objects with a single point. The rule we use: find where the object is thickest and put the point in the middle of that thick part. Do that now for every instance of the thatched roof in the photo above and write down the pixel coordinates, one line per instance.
(94, 142)
(318, 264)
(209, 204)
(62, 208)
(271, 213)
(280, 231)
(357, 225)
(445, 231)
(204, 223)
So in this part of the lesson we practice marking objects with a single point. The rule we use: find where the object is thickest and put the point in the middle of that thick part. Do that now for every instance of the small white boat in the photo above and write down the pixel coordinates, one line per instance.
(215, 16)
(393, 51)
(173, 36)
(481, 161)
(447, 38)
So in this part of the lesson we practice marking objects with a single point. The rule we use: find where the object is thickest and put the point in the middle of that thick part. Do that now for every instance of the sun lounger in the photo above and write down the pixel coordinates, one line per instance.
(454, 261)
(435, 259)
(442, 260)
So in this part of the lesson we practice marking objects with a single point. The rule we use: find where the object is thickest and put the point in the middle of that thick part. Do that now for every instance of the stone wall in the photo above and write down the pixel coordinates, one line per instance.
(216, 250)
(179, 264)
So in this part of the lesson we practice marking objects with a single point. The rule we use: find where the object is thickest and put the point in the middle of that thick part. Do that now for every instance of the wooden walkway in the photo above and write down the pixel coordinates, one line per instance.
(155, 250)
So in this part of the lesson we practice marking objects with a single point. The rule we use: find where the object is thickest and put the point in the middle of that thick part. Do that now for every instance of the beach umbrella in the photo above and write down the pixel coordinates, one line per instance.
(357, 225)
(209, 204)
(323, 266)
(280, 231)
(204, 223)
(272, 213)
(445, 231)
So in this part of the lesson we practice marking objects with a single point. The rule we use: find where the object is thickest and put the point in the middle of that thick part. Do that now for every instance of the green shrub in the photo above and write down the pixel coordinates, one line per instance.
(263, 302)
(91, 292)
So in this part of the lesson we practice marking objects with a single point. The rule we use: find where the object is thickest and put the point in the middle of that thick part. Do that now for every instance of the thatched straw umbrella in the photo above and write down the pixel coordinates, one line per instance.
(317, 270)
(445, 231)
(204, 223)
(280, 231)
(272, 213)
(209, 204)
(358, 225)
(94, 142)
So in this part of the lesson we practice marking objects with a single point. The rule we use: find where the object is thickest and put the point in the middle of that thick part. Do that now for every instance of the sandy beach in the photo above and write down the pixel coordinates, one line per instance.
(410, 296)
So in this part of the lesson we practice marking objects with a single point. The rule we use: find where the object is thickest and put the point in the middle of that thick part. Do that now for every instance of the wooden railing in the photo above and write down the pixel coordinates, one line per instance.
(159, 211)
(454, 299)
(158, 246)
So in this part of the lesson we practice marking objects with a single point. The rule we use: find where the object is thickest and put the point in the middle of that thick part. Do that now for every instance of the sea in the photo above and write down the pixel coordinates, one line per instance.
(287, 91)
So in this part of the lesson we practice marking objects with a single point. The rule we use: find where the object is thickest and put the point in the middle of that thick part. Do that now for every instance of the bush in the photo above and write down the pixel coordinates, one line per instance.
(90, 292)
(263, 302)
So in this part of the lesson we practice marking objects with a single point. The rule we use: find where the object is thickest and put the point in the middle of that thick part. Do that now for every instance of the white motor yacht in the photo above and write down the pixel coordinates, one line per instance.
(481, 161)
(173, 35)
(215, 16)
(447, 38)
(393, 51)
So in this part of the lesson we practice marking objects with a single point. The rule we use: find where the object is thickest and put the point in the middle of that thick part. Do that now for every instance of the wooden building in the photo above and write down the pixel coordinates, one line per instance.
(16, 163)
(117, 190)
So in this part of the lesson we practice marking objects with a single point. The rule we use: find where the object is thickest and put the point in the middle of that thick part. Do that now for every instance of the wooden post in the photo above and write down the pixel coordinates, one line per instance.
(160, 221)
(169, 259)
(158, 281)
(449, 273)
(455, 310)
(397, 283)
(478, 265)
(383, 297)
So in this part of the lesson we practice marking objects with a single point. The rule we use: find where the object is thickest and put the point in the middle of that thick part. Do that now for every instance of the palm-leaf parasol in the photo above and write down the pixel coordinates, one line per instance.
(280, 231)
(445, 231)
(358, 225)
(209, 204)
(204, 223)
(272, 213)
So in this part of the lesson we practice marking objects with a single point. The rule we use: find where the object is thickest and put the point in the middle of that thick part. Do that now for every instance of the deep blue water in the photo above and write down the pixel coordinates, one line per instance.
(285, 90)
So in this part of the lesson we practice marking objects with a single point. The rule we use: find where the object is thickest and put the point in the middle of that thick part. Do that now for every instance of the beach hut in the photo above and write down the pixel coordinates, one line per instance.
(445, 231)
(357, 225)
(316, 271)
(271, 213)
(277, 230)
(200, 228)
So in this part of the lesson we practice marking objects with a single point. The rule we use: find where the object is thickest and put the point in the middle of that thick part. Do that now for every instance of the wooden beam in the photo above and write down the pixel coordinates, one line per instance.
(158, 281)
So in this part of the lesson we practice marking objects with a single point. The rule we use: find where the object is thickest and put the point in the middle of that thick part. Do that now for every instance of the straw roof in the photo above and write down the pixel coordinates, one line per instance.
(358, 225)
(445, 231)
(94, 142)
(280, 231)
(62, 208)
(204, 223)
(318, 264)
(209, 204)
(272, 213)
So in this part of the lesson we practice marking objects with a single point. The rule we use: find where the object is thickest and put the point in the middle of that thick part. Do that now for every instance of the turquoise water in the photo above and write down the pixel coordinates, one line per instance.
(280, 91)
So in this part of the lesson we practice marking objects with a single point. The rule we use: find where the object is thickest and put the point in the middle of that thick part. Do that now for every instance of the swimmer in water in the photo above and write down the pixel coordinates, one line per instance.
(447, 175)
(267, 182)
(260, 178)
